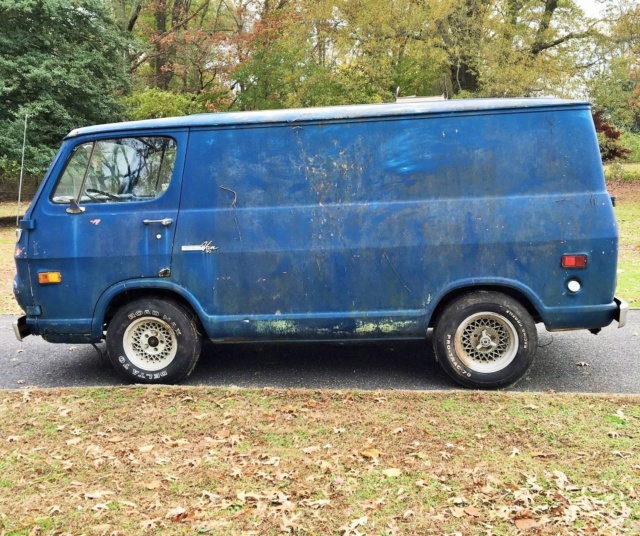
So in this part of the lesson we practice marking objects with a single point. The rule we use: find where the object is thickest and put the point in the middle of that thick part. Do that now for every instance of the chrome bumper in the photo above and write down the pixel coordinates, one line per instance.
(20, 328)
(621, 313)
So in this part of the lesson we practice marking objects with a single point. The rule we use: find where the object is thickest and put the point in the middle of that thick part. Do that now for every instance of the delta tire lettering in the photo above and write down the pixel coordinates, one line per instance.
(149, 375)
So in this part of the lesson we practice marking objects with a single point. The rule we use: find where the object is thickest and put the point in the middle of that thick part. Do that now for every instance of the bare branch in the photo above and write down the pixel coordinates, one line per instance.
(540, 47)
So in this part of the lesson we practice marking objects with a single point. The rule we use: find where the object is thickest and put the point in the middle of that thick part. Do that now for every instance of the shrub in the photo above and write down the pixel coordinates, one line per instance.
(609, 139)
(631, 142)
(617, 171)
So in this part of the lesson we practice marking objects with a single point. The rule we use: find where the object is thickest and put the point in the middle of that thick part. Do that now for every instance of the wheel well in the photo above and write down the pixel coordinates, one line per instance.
(457, 293)
(136, 294)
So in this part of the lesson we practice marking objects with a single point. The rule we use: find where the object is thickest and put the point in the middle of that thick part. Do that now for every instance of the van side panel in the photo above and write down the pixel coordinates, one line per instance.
(357, 228)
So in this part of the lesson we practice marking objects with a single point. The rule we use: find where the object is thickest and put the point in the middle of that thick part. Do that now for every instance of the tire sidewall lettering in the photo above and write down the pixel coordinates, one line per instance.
(175, 318)
(139, 313)
(510, 316)
(149, 376)
(477, 303)
(124, 362)
(522, 332)
(460, 368)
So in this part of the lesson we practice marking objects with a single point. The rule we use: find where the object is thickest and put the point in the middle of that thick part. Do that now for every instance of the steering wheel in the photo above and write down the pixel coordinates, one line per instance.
(102, 192)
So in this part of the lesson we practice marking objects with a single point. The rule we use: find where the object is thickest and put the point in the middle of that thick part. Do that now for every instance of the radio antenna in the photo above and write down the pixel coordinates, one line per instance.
(24, 145)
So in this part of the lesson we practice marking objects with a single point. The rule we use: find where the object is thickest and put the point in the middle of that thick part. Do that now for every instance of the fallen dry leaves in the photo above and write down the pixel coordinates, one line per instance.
(174, 460)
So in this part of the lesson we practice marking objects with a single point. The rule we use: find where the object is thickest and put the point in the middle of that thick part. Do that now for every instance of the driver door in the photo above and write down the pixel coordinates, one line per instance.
(108, 218)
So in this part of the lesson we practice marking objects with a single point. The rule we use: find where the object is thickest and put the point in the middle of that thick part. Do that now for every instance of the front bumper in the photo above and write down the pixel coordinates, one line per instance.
(20, 328)
(621, 312)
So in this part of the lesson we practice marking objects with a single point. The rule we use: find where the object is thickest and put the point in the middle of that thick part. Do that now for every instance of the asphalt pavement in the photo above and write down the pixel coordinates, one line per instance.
(574, 361)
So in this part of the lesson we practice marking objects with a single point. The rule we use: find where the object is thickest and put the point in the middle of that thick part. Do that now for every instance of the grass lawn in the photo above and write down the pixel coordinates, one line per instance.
(627, 211)
(10, 209)
(628, 215)
(623, 172)
(7, 269)
(632, 168)
(173, 460)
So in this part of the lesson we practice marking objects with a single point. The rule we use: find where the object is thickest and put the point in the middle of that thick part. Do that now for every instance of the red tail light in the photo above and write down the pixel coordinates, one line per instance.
(574, 261)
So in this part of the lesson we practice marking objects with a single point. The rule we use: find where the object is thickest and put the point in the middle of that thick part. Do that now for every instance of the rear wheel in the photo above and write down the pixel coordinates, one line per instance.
(153, 341)
(485, 340)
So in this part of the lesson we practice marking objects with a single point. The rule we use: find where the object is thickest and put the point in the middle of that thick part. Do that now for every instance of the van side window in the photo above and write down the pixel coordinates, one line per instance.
(117, 170)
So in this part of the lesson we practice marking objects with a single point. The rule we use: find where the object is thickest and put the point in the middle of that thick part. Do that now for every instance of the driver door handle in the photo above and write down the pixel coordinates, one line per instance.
(165, 222)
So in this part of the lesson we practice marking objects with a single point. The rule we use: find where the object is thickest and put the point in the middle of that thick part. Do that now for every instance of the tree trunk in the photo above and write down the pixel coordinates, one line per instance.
(464, 77)
(162, 74)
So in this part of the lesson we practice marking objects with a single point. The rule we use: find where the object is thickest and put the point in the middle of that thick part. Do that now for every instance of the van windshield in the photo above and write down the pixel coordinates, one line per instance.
(117, 170)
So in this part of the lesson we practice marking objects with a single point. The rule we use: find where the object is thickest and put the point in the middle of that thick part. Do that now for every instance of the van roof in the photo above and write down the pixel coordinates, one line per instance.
(328, 113)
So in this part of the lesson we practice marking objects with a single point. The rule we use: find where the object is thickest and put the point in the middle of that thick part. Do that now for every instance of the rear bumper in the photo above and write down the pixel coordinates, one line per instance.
(585, 316)
(20, 328)
(621, 312)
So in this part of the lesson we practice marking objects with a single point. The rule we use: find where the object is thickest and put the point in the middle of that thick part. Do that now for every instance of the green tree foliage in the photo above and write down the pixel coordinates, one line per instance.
(296, 58)
(184, 46)
(477, 47)
(281, 53)
(615, 92)
(631, 142)
(274, 53)
(614, 88)
(258, 54)
(322, 53)
(532, 47)
(154, 103)
(613, 84)
(68, 62)
(62, 63)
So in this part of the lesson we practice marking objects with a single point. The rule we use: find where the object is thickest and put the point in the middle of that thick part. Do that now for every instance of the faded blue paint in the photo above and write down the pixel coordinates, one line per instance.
(339, 223)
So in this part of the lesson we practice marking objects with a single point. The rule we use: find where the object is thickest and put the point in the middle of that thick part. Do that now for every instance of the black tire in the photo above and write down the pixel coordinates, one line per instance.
(153, 341)
(485, 340)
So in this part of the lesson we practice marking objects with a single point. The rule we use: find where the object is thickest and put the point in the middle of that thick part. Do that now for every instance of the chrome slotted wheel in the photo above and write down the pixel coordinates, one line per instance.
(486, 342)
(150, 344)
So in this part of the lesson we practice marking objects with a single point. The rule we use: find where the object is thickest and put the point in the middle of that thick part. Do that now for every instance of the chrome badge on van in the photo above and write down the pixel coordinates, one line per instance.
(207, 247)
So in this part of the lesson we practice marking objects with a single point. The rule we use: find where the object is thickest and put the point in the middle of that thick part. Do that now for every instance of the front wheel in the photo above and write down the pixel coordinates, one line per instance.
(485, 340)
(153, 341)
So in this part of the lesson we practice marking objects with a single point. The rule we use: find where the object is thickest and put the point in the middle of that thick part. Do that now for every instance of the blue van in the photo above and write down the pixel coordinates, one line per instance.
(477, 218)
